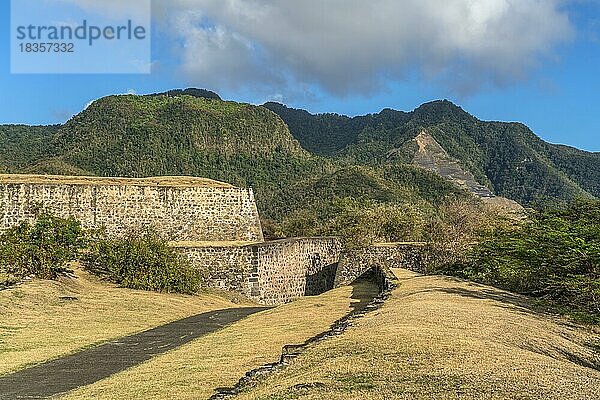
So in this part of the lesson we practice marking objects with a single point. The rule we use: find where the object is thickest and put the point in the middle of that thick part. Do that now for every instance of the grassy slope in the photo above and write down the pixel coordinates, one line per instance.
(222, 358)
(36, 325)
(445, 339)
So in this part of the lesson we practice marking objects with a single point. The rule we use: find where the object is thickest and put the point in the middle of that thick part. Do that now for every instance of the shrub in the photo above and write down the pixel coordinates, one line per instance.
(142, 261)
(452, 230)
(554, 256)
(42, 249)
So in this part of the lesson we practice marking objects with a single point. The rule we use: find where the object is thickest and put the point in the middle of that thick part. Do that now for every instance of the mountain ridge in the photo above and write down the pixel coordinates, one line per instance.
(195, 132)
(506, 157)
(298, 193)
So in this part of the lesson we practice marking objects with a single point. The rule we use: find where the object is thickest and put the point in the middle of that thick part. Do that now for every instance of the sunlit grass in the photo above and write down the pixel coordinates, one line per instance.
(42, 320)
(222, 358)
(441, 338)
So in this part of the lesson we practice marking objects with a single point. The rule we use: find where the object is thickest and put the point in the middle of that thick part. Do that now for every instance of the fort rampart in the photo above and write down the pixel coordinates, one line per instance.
(214, 225)
(183, 209)
(272, 272)
(354, 263)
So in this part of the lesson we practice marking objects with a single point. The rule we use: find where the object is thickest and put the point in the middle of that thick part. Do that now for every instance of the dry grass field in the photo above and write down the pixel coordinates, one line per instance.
(221, 358)
(436, 338)
(42, 320)
(441, 338)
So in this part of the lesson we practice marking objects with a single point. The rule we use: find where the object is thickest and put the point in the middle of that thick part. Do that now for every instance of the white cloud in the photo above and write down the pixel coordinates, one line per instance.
(356, 46)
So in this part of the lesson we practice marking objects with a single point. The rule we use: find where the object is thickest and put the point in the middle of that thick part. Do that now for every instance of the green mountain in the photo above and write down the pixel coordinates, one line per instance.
(507, 158)
(389, 173)
(195, 133)
(21, 145)
(200, 93)
(174, 135)
(160, 135)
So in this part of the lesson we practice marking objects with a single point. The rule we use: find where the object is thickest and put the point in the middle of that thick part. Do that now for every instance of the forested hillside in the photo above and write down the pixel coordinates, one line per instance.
(182, 135)
(506, 157)
(312, 174)
(193, 132)
(21, 145)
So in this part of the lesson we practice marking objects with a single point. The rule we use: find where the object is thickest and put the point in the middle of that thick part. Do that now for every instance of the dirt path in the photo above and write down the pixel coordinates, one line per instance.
(89, 366)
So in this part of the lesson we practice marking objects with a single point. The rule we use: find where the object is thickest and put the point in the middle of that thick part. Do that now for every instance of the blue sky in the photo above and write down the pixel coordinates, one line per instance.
(546, 75)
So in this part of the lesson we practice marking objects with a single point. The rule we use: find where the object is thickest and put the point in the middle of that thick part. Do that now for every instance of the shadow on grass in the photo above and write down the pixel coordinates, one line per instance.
(363, 295)
(368, 297)
(95, 363)
(559, 353)
(505, 299)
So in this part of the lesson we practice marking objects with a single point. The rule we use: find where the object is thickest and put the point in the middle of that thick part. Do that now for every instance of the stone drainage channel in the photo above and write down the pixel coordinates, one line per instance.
(386, 282)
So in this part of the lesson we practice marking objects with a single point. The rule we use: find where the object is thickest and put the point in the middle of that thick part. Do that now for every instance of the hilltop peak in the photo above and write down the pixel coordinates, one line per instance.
(440, 104)
(440, 110)
(194, 92)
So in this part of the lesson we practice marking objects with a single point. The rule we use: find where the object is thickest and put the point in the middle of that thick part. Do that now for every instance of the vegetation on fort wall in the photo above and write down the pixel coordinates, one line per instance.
(41, 249)
(143, 261)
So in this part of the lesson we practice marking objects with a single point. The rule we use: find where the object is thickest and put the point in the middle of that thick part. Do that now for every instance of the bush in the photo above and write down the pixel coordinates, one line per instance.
(453, 229)
(142, 261)
(42, 249)
(554, 256)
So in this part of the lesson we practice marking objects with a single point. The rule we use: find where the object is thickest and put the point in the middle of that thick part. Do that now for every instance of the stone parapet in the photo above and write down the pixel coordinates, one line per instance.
(270, 273)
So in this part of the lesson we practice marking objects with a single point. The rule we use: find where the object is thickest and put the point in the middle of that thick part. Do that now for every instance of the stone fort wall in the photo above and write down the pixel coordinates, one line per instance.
(183, 209)
(271, 273)
(213, 224)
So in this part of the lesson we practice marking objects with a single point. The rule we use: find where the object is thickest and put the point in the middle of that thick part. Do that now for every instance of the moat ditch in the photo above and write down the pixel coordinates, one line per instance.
(93, 364)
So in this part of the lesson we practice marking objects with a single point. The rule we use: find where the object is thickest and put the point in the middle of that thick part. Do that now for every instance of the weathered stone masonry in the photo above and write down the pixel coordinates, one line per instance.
(184, 209)
(271, 273)
(355, 263)
(215, 225)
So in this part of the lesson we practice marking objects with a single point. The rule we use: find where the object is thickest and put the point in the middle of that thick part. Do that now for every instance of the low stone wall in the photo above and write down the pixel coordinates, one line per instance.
(232, 268)
(271, 273)
(274, 273)
(354, 263)
(289, 269)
